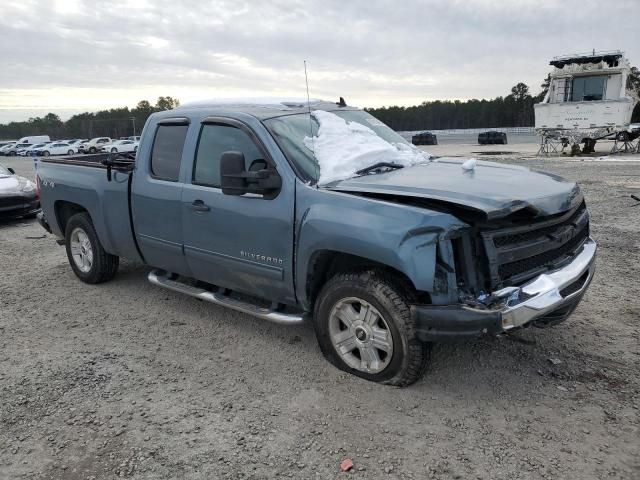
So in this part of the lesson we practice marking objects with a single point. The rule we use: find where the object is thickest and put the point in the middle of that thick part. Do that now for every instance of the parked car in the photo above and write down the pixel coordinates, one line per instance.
(94, 145)
(18, 196)
(57, 148)
(33, 149)
(76, 142)
(381, 260)
(492, 138)
(13, 150)
(5, 148)
(37, 150)
(121, 146)
(424, 138)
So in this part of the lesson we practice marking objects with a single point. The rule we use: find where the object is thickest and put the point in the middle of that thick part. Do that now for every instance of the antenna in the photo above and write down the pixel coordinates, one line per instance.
(306, 79)
(313, 150)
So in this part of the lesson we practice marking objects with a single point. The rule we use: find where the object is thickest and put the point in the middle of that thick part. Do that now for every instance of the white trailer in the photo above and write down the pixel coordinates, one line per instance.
(587, 100)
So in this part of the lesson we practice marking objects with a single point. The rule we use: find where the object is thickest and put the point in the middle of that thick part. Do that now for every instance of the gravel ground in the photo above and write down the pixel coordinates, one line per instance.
(129, 380)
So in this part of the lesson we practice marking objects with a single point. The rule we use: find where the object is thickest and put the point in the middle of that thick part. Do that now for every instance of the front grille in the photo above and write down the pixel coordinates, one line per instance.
(516, 254)
(542, 260)
(515, 238)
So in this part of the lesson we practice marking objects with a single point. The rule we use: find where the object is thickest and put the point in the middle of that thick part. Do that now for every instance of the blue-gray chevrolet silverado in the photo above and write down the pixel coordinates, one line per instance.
(223, 202)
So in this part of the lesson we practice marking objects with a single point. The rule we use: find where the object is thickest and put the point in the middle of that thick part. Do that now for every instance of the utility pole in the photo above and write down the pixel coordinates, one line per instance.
(133, 120)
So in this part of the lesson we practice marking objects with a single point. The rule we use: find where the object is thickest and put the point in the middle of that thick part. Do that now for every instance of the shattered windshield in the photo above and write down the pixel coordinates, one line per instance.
(332, 146)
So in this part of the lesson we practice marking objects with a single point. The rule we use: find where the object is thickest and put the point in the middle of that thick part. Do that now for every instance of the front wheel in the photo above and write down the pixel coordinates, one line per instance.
(46, 153)
(364, 326)
(70, 152)
(114, 150)
(88, 259)
(93, 150)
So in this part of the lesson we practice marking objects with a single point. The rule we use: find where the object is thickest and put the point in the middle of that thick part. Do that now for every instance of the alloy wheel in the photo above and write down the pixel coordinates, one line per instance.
(360, 335)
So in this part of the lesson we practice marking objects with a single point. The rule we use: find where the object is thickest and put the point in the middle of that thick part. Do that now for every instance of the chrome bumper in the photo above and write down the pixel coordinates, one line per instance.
(544, 294)
(546, 300)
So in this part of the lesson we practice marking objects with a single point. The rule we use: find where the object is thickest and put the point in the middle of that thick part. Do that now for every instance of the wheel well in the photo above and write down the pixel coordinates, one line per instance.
(327, 263)
(64, 211)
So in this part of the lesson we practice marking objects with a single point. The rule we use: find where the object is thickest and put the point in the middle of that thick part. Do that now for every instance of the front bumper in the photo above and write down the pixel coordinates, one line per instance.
(544, 301)
(18, 206)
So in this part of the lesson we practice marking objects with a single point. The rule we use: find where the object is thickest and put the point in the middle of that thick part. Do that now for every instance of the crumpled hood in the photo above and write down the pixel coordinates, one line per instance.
(494, 189)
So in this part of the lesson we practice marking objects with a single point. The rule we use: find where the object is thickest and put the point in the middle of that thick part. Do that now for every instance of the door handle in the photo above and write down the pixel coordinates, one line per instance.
(200, 206)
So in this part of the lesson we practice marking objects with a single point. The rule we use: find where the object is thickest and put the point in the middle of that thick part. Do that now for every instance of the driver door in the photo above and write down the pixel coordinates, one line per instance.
(243, 243)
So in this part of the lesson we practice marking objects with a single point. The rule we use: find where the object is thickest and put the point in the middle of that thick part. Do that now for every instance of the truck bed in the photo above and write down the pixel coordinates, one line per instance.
(93, 160)
(104, 190)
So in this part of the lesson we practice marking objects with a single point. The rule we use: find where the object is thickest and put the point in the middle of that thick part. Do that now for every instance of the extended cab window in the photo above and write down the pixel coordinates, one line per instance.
(215, 139)
(167, 151)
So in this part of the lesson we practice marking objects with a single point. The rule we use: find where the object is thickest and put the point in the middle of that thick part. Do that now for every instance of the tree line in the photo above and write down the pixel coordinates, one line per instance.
(513, 110)
(114, 123)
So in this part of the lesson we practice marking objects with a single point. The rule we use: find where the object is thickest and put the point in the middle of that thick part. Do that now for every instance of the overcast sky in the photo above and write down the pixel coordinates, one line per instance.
(67, 56)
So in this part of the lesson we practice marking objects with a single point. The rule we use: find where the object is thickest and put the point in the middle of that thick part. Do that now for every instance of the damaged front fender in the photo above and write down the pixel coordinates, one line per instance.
(412, 240)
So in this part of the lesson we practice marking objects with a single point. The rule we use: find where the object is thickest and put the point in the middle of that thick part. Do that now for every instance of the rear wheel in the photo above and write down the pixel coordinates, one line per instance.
(114, 150)
(46, 153)
(93, 150)
(88, 259)
(70, 152)
(364, 327)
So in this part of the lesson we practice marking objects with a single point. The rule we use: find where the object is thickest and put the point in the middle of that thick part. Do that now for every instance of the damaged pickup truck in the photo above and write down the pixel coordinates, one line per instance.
(289, 211)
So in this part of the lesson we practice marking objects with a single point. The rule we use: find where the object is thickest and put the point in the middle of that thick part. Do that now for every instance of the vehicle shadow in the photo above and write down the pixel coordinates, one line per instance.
(488, 368)
(18, 222)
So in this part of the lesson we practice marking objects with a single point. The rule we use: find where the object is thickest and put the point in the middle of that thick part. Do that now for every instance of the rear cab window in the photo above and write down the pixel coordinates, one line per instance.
(167, 151)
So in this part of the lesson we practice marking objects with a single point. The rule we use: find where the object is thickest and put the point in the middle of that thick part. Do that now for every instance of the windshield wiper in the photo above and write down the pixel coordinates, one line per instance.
(379, 166)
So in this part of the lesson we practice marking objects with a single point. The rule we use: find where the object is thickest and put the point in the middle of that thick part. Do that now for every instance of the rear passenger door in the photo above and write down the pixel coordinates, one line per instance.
(243, 243)
(156, 198)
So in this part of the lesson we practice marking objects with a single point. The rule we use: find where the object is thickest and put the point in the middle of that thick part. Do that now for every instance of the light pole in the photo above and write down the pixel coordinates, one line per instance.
(133, 120)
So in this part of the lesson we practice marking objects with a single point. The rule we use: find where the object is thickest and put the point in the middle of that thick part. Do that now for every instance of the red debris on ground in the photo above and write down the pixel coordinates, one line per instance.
(346, 465)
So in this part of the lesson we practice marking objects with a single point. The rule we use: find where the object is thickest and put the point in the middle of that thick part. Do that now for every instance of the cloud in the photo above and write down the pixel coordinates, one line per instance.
(81, 54)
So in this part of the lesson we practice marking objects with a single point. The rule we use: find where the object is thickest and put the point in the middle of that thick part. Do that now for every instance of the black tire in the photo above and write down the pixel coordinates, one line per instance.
(114, 150)
(93, 150)
(12, 154)
(70, 152)
(104, 265)
(46, 153)
(135, 149)
(388, 295)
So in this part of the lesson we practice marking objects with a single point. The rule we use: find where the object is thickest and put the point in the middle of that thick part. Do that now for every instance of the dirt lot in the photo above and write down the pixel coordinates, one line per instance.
(128, 380)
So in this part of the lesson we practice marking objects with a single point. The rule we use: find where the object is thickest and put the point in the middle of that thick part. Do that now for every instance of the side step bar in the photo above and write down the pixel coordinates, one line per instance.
(158, 278)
